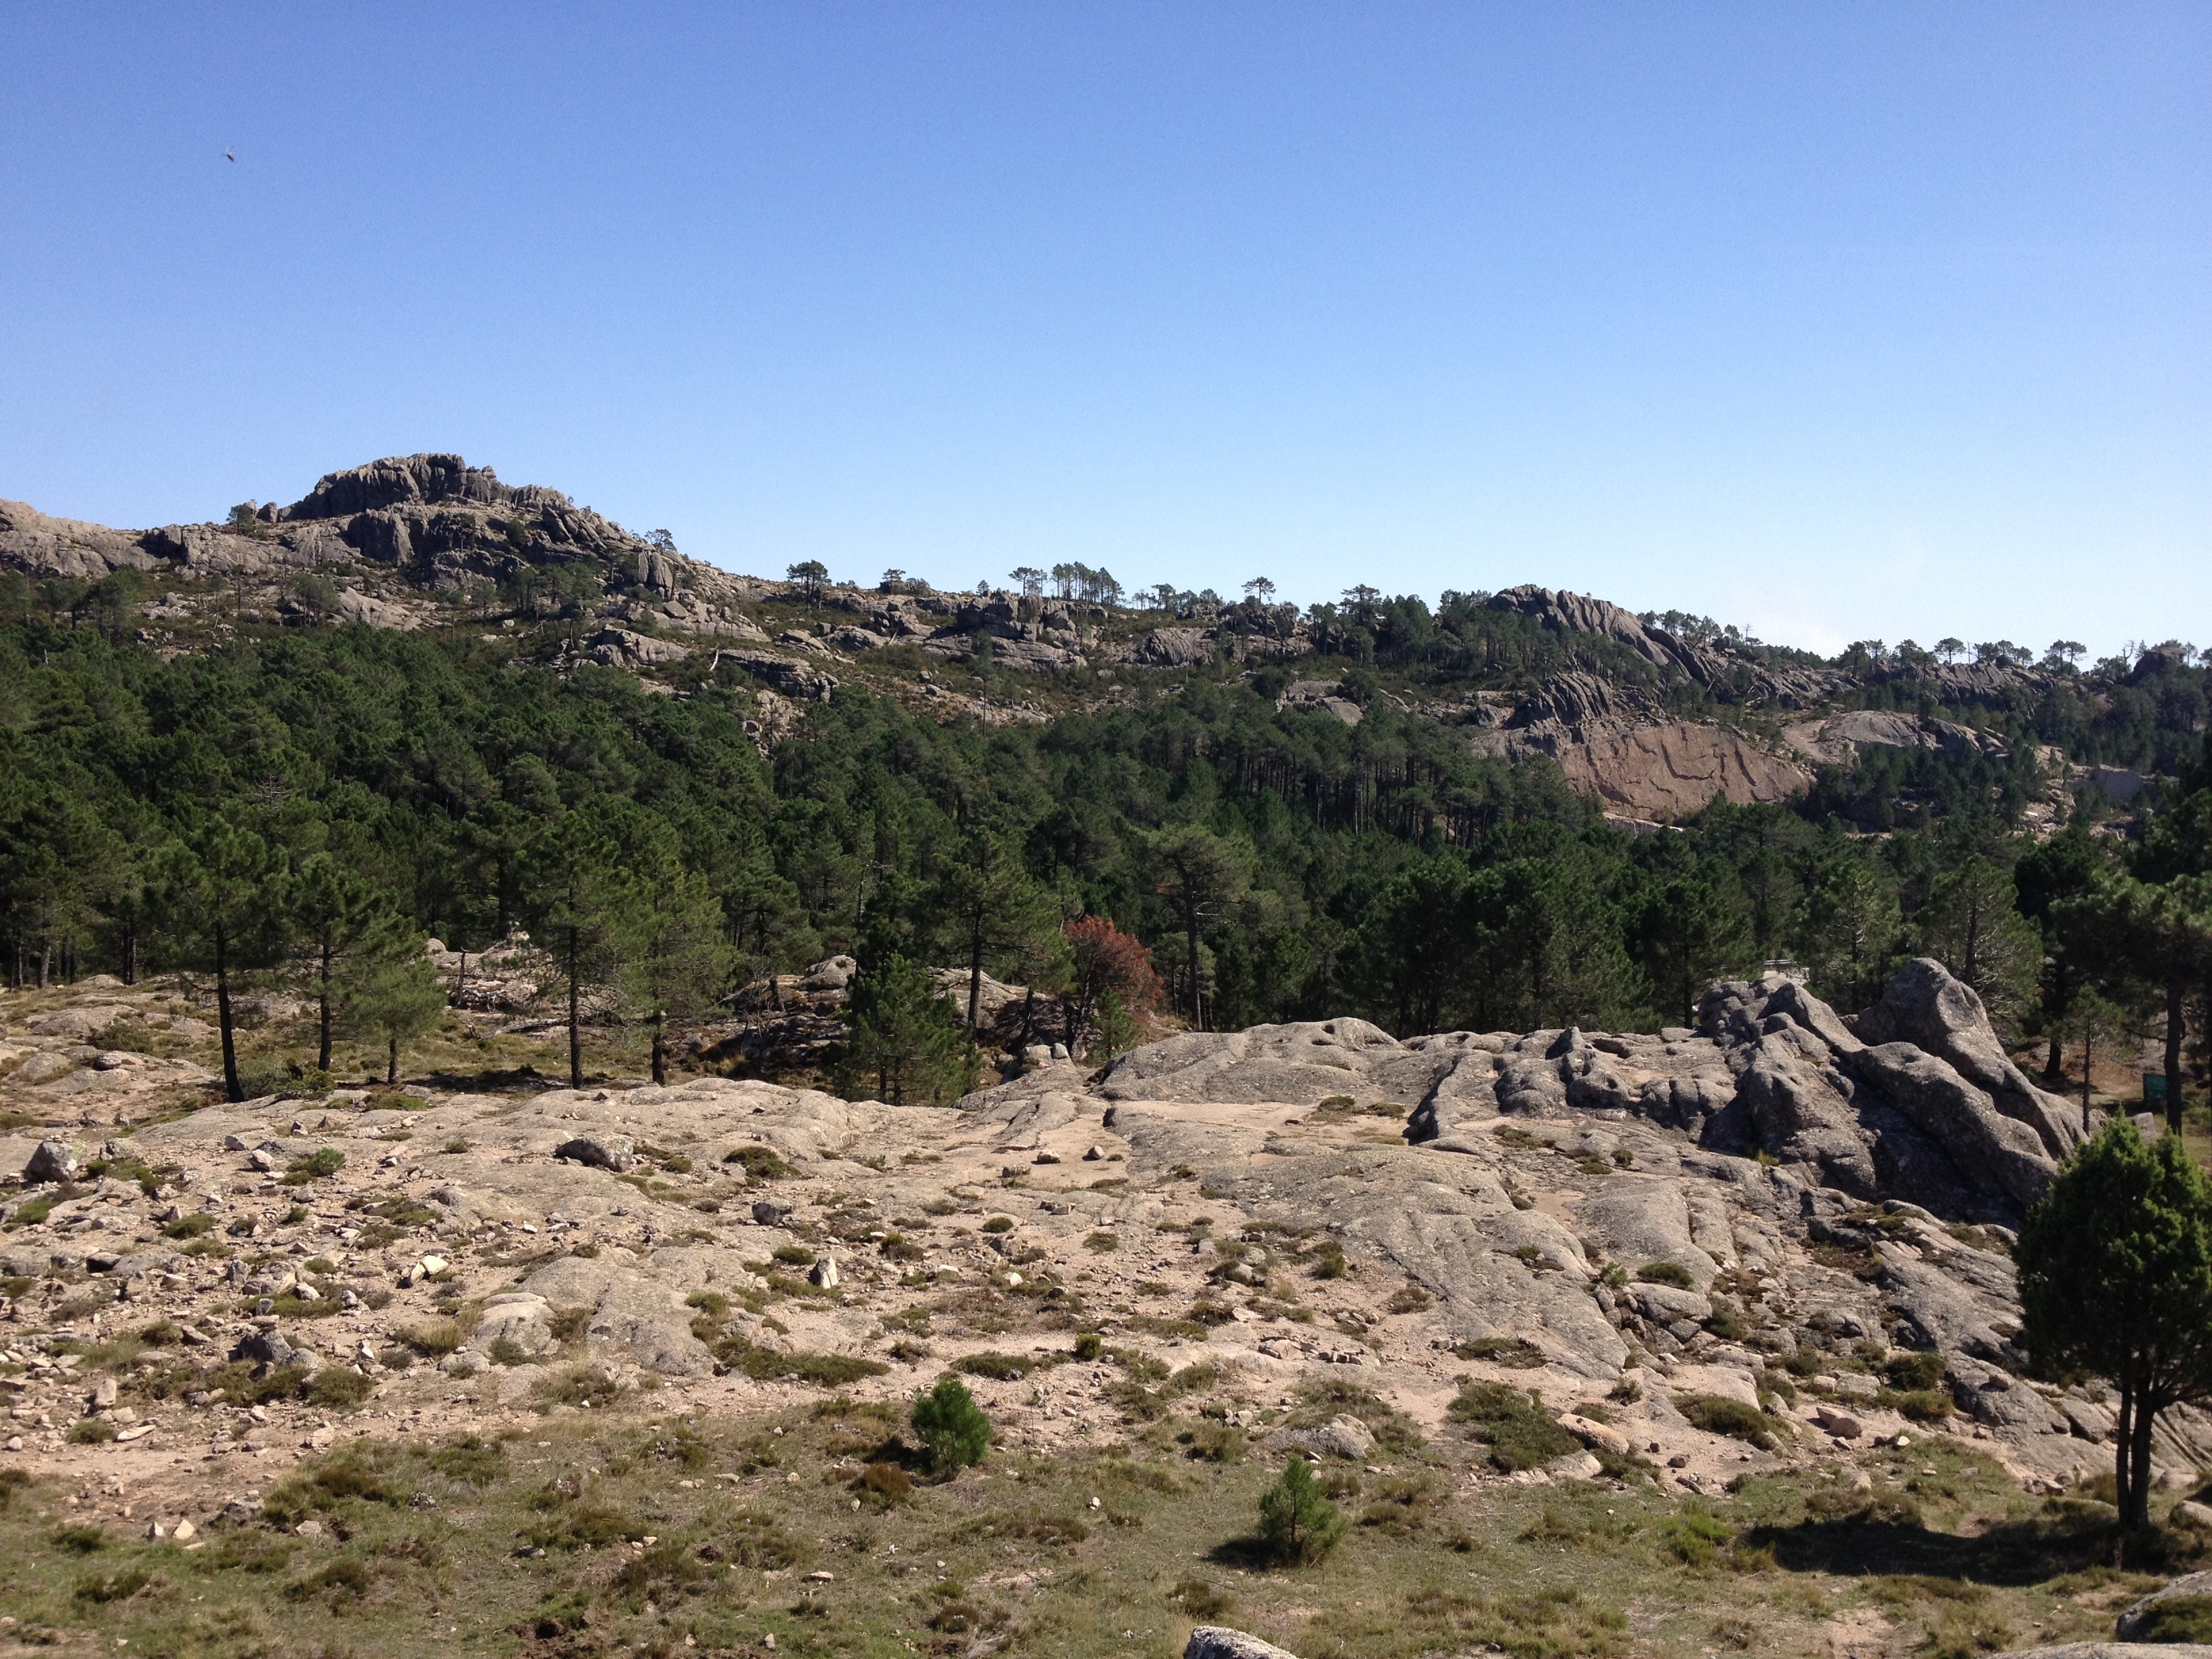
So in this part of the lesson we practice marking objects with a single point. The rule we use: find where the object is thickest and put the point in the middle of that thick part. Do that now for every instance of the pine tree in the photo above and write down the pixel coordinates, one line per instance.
(2116, 1278)
(334, 912)
(951, 1427)
(677, 959)
(390, 994)
(904, 1037)
(1973, 926)
(1297, 1523)
(576, 898)
(222, 897)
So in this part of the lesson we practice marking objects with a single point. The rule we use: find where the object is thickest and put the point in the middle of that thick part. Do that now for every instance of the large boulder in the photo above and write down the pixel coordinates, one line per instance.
(1924, 1006)
(2178, 1611)
(615, 1152)
(1218, 1642)
(52, 1162)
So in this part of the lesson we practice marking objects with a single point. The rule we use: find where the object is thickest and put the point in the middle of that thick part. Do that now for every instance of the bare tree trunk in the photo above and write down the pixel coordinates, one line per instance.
(2174, 1024)
(975, 974)
(659, 1047)
(233, 1092)
(323, 1013)
(1190, 936)
(2136, 1420)
(576, 1038)
(392, 1059)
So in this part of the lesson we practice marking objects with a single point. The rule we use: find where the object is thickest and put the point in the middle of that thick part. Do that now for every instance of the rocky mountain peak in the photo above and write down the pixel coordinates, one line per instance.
(403, 480)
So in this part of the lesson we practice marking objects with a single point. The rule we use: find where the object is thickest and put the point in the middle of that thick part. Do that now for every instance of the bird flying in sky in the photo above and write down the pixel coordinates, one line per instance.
(230, 155)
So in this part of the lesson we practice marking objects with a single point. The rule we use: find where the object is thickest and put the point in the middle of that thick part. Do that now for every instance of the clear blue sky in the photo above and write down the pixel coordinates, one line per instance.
(1833, 321)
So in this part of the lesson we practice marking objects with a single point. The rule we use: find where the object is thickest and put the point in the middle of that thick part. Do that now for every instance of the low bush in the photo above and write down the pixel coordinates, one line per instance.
(1718, 1414)
(1694, 1537)
(1919, 1404)
(316, 1166)
(1913, 1373)
(1665, 1272)
(884, 1482)
(1515, 1353)
(1519, 1432)
(759, 1162)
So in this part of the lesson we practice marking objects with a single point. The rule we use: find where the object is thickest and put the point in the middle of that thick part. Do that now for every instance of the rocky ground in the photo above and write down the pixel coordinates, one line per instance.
(1772, 1250)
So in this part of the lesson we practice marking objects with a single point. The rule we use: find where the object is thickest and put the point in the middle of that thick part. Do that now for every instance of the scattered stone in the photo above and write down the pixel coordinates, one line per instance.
(824, 1273)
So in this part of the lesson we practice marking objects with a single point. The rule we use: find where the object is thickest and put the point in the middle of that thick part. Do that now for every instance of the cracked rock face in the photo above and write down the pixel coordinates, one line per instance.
(1686, 1208)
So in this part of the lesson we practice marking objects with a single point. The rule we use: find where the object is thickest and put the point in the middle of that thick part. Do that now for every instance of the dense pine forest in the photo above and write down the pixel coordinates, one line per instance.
(296, 799)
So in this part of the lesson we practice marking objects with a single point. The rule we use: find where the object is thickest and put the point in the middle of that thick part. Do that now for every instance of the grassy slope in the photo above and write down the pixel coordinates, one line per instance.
(418, 1554)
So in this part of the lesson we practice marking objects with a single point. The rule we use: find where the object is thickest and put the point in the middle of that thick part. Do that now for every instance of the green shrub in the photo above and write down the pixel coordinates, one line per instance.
(1199, 1600)
(343, 1581)
(952, 1426)
(1520, 1432)
(1090, 1345)
(1693, 1537)
(760, 1162)
(1919, 1404)
(189, 1226)
(1665, 1272)
(119, 1586)
(1299, 1525)
(1911, 1373)
(1514, 1352)
(884, 1483)
(1717, 1414)
(1000, 1223)
(316, 1166)
(334, 1388)
(91, 1430)
(1000, 1367)
(433, 1341)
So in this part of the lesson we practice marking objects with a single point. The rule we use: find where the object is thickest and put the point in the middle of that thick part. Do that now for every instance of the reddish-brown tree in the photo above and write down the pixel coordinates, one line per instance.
(1106, 959)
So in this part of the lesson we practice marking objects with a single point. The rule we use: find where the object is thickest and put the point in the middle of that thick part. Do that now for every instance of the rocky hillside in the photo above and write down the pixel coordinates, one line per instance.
(1770, 1249)
(1654, 723)
(1802, 1215)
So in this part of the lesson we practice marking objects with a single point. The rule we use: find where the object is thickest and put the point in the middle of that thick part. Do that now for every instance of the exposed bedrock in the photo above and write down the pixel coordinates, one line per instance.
(1781, 1182)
